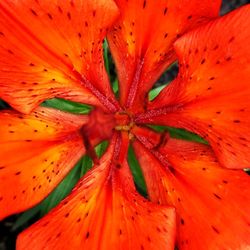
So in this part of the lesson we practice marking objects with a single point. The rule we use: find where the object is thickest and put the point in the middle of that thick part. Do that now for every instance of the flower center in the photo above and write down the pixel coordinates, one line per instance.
(124, 121)
(101, 125)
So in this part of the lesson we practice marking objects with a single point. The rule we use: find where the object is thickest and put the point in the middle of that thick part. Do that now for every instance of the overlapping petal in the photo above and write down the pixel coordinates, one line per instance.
(36, 152)
(212, 203)
(211, 94)
(104, 212)
(142, 41)
(54, 48)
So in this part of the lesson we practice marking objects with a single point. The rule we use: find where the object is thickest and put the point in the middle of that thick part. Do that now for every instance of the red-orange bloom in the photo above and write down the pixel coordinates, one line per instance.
(54, 49)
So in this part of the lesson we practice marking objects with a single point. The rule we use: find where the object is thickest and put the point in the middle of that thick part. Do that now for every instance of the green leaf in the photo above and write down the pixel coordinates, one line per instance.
(25, 217)
(115, 86)
(109, 66)
(179, 133)
(106, 56)
(155, 92)
(137, 172)
(101, 148)
(86, 165)
(186, 135)
(68, 106)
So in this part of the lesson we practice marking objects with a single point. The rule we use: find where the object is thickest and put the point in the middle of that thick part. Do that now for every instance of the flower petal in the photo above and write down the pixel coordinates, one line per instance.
(51, 48)
(211, 94)
(36, 152)
(212, 203)
(104, 212)
(142, 40)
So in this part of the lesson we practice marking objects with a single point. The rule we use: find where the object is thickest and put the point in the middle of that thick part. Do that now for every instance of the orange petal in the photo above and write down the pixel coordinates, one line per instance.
(36, 152)
(212, 203)
(104, 212)
(51, 48)
(142, 40)
(211, 94)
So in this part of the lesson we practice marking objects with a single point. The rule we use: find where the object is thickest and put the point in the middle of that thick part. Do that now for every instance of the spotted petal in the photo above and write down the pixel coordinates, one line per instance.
(54, 48)
(212, 203)
(36, 152)
(142, 40)
(104, 212)
(211, 94)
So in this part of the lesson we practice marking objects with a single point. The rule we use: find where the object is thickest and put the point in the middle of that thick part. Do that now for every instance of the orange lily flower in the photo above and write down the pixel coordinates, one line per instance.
(198, 194)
